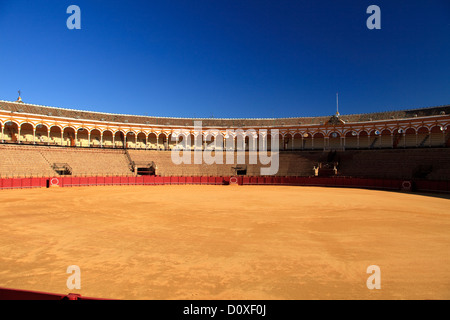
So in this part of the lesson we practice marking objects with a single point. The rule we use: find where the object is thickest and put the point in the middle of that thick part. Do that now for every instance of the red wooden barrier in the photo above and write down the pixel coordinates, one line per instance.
(139, 180)
(16, 183)
(384, 184)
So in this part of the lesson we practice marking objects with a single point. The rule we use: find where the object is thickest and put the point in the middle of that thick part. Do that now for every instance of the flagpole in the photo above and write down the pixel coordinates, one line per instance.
(337, 103)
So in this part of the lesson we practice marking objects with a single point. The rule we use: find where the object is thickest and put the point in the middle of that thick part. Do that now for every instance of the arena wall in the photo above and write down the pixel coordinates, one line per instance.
(39, 161)
(41, 141)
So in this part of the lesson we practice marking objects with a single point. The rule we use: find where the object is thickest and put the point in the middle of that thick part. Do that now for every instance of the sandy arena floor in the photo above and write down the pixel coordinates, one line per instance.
(225, 242)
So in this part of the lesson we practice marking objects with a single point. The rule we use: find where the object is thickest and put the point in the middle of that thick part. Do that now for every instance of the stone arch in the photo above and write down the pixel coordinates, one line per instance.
(209, 139)
(141, 140)
(423, 130)
(318, 141)
(119, 139)
(437, 136)
(334, 140)
(386, 138)
(42, 134)
(107, 138)
(190, 140)
(351, 139)
(288, 140)
(69, 137)
(130, 139)
(82, 137)
(374, 138)
(423, 136)
(55, 135)
(27, 133)
(95, 138)
(152, 140)
(307, 140)
(297, 141)
(410, 138)
(363, 139)
(162, 141)
(178, 138)
(228, 140)
(282, 141)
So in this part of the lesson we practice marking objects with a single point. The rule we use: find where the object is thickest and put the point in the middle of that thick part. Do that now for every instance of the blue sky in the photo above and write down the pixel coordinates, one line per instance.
(226, 58)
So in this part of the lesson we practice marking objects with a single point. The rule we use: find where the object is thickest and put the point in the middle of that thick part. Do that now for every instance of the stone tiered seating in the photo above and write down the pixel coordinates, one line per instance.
(19, 160)
(290, 164)
(89, 161)
(395, 163)
(23, 162)
(400, 163)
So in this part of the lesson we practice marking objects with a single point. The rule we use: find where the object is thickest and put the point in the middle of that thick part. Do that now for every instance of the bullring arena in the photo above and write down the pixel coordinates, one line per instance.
(100, 191)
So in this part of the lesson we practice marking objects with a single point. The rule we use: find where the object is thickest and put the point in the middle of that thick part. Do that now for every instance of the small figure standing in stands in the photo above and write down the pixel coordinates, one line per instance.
(316, 171)
(335, 171)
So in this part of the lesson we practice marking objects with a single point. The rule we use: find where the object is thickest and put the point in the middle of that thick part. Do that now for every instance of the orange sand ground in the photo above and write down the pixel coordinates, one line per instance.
(225, 242)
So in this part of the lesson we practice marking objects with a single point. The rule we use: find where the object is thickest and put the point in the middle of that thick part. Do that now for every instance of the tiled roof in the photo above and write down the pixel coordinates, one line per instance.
(188, 122)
